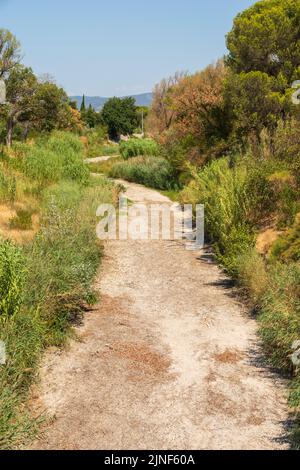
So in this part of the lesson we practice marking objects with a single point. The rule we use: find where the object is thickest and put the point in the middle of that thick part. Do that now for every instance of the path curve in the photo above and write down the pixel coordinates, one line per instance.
(100, 159)
(169, 359)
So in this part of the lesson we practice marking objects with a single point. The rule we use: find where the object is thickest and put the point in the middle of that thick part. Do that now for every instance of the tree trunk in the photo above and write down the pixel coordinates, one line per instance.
(9, 135)
(25, 133)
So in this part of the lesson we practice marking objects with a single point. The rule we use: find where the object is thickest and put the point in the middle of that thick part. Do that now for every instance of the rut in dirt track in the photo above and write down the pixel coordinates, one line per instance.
(168, 360)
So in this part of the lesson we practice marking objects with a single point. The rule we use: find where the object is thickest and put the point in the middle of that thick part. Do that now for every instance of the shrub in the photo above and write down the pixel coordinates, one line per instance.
(65, 255)
(60, 158)
(138, 147)
(287, 247)
(280, 315)
(65, 144)
(154, 172)
(222, 190)
(43, 165)
(23, 336)
(238, 241)
(252, 274)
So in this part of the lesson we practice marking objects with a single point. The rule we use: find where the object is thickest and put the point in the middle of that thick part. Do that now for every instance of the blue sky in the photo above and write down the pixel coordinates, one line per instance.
(118, 47)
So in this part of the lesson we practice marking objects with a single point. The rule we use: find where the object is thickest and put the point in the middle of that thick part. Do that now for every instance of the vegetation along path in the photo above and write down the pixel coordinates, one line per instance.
(169, 359)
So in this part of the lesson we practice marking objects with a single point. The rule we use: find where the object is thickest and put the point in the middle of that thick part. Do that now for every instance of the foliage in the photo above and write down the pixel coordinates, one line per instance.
(252, 274)
(254, 102)
(12, 278)
(120, 116)
(61, 157)
(223, 192)
(154, 172)
(7, 187)
(9, 52)
(138, 147)
(287, 247)
(265, 38)
(279, 318)
(20, 88)
(44, 287)
(192, 115)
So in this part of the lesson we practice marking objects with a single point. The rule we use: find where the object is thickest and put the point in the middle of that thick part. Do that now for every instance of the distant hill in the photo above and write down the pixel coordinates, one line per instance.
(97, 102)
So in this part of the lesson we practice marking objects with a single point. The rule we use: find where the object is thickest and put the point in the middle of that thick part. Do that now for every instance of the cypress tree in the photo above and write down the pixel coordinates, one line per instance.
(82, 107)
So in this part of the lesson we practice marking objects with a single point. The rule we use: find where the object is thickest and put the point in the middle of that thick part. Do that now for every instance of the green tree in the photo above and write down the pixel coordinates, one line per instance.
(91, 117)
(120, 116)
(254, 103)
(50, 104)
(266, 38)
(82, 107)
(9, 52)
(21, 86)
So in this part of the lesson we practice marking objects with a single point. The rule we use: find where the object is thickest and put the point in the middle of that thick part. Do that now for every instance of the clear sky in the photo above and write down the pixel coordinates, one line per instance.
(118, 47)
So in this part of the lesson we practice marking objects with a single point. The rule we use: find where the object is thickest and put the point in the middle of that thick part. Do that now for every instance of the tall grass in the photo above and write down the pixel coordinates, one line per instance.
(61, 157)
(47, 285)
(138, 147)
(8, 187)
(154, 172)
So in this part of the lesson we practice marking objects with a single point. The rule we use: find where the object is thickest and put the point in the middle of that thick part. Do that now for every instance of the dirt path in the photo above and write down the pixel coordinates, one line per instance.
(168, 360)
(100, 159)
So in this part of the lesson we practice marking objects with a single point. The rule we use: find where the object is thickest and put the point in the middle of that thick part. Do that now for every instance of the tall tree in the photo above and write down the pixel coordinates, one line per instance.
(50, 104)
(10, 54)
(161, 113)
(264, 58)
(120, 116)
(266, 38)
(21, 86)
(190, 116)
(82, 107)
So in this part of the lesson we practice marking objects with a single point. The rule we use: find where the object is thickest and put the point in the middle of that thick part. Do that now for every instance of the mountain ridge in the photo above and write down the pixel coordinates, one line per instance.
(97, 102)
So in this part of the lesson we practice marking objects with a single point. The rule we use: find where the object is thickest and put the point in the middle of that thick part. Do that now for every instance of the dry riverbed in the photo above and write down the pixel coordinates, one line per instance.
(169, 359)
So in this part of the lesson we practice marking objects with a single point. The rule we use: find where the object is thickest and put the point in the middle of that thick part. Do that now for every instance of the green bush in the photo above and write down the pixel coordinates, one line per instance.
(138, 147)
(61, 157)
(287, 247)
(65, 255)
(12, 278)
(252, 274)
(23, 336)
(154, 172)
(222, 190)
(65, 144)
(280, 315)
(43, 165)
(238, 241)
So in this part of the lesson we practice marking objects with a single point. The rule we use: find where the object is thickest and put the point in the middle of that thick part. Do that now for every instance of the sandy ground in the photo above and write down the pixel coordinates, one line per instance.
(100, 159)
(168, 360)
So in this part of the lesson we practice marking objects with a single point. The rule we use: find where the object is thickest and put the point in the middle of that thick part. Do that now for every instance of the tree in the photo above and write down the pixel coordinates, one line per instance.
(264, 58)
(197, 104)
(21, 86)
(47, 103)
(10, 54)
(91, 117)
(266, 38)
(82, 107)
(192, 117)
(120, 116)
(161, 115)
(254, 103)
